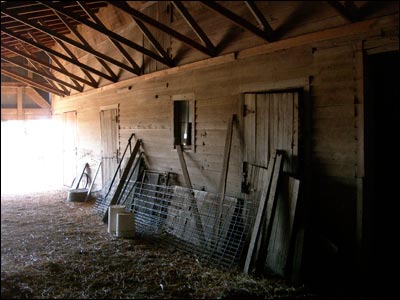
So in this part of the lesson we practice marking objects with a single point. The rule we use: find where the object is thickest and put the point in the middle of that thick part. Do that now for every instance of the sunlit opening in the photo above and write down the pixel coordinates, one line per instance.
(31, 156)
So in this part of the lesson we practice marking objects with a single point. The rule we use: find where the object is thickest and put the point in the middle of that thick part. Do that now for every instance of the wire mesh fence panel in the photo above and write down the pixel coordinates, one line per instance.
(214, 231)
(103, 202)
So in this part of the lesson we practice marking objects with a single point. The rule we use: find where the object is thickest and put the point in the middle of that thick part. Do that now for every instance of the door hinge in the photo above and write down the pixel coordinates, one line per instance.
(244, 110)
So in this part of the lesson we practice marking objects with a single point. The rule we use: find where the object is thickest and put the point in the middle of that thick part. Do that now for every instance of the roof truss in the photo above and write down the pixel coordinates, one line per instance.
(29, 81)
(29, 27)
(348, 10)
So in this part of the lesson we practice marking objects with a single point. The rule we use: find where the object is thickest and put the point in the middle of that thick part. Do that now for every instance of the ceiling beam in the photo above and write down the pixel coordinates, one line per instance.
(48, 65)
(348, 11)
(237, 20)
(80, 38)
(193, 24)
(36, 9)
(117, 45)
(42, 74)
(70, 41)
(37, 98)
(94, 83)
(258, 15)
(56, 53)
(144, 18)
(40, 67)
(61, 66)
(28, 81)
(153, 41)
(109, 33)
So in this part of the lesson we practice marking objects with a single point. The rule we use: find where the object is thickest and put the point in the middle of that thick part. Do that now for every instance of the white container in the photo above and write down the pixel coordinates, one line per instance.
(112, 216)
(125, 225)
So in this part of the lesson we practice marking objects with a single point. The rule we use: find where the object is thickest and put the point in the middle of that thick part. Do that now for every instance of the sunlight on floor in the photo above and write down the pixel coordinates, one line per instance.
(31, 156)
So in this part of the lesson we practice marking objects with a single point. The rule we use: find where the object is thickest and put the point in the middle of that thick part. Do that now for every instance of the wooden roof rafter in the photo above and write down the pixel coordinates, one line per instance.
(117, 45)
(238, 20)
(36, 12)
(34, 9)
(63, 68)
(40, 67)
(55, 24)
(40, 25)
(109, 33)
(153, 41)
(93, 82)
(261, 20)
(137, 15)
(29, 81)
(57, 54)
(80, 38)
(37, 98)
(348, 10)
(193, 25)
(69, 41)
(42, 74)
(48, 65)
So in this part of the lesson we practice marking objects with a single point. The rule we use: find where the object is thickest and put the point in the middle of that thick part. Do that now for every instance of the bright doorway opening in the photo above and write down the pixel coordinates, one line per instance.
(31, 156)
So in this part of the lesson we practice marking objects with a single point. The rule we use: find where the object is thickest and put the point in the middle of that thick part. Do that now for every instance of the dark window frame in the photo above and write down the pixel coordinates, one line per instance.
(183, 121)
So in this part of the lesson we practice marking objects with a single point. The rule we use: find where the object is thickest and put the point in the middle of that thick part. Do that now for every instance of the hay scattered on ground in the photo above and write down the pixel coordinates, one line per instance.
(51, 248)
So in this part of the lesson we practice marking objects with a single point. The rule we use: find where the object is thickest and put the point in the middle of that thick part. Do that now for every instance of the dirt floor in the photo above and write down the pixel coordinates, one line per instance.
(52, 248)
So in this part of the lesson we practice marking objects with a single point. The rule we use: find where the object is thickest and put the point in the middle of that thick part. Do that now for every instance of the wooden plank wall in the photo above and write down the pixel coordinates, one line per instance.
(146, 110)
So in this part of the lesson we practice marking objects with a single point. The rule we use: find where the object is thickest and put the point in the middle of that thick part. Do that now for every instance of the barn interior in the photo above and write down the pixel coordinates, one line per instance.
(198, 149)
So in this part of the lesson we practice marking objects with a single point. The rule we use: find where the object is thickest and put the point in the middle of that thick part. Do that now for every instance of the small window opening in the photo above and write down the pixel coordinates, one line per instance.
(183, 123)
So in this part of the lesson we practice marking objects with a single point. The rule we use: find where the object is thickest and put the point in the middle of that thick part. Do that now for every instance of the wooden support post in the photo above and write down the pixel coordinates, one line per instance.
(188, 184)
(123, 178)
(37, 98)
(20, 109)
(360, 168)
(260, 213)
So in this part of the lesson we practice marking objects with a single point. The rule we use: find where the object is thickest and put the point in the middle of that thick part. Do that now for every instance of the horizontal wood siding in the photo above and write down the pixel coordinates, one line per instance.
(146, 110)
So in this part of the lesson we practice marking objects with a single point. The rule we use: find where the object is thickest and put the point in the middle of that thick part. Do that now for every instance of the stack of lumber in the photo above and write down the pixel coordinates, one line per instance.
(270, 240)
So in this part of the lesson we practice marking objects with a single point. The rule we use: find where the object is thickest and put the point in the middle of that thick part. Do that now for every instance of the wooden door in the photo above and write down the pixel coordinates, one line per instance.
(271, 122)
(109, 145)
(69, 147)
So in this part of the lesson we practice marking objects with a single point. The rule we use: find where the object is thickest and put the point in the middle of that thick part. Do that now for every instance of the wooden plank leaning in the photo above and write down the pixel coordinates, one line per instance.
(224, 176)
(269, 215)
(188, 184)
(260, 212)
(280, 241)
(123, 177)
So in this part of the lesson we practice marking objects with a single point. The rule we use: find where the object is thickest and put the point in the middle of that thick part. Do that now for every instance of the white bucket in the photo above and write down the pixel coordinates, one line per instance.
(125, 225)
(112, 216)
